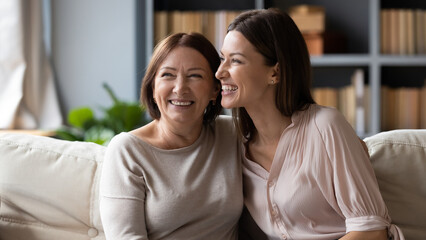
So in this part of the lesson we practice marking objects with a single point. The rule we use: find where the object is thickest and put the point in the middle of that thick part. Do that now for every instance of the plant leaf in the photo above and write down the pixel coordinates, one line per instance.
(70, 134)
(99, 134)
(78, 116)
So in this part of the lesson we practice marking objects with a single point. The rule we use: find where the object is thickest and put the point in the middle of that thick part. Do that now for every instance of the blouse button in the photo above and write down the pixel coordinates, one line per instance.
(271, 184)
(284, 237)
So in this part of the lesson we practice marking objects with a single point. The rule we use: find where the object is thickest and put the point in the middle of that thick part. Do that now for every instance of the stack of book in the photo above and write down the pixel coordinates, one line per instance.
(403, 31)
(212, 24)
(311, 22)
(353, 101)
(403, 107)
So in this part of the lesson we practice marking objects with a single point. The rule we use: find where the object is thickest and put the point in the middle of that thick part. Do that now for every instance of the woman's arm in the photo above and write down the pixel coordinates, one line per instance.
(122, 194)
(373, 235)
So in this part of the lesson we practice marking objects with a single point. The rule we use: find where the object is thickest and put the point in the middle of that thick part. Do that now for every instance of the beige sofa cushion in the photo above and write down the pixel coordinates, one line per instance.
(49, 188)
(399, 161)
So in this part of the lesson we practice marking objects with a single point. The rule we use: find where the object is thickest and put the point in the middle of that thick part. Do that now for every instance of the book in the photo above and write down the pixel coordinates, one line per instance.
(347, 104)
(191, 22)
(420, 31)
(358, 82)
(175, 21)
(230, 16)
(314, 42)
(388, 106)
(308, 18)
(422, 105)
(403, 30)
(220, 30)
(385, 31)
(410, 32)
(394, 31)
(407, 108)
(367, 108)
(209, 25)
(325, 96)
(160, 25)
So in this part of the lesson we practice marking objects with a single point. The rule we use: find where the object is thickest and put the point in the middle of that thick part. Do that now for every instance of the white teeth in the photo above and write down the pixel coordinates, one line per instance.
(178, 103)
(229, 88)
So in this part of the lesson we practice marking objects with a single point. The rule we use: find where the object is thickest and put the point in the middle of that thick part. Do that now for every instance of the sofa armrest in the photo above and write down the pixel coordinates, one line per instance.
(49, 188)
(399, 161)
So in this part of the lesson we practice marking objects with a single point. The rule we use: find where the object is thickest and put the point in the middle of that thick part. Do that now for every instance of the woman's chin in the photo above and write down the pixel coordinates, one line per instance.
(228, 105)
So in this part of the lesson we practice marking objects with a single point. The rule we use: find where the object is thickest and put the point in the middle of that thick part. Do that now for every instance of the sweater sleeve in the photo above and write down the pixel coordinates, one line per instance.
(122, 193)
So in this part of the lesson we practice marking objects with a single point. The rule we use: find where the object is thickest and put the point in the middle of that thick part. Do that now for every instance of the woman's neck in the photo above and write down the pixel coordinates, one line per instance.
(269, 123)
(173, 136)
(163, 135)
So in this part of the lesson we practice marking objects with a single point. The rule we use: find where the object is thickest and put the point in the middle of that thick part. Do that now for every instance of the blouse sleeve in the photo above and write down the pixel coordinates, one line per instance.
(122, 193)
(355, 185)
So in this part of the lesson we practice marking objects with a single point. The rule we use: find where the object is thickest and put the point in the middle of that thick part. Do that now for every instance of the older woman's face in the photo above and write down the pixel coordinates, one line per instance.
(184, 85)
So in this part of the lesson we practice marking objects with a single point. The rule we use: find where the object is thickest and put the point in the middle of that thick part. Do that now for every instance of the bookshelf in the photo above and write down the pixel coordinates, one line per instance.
(359, 21)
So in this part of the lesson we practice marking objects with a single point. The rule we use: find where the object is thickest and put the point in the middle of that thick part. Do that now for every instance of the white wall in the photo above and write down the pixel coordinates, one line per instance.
(93, 41)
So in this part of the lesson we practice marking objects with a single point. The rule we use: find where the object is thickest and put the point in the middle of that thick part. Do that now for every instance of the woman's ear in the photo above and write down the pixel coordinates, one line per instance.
(216, 91)
(275, 76)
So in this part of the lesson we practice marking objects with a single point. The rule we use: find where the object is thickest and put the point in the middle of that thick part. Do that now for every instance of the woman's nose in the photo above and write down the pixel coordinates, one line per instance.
(181, 86)
(221, 72)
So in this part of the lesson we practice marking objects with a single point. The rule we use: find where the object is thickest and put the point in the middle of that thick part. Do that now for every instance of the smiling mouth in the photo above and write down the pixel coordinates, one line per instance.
(229, 88)
(181, 103)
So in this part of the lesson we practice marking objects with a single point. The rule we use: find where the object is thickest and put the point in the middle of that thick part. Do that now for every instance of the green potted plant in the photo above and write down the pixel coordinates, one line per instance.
(120, 117)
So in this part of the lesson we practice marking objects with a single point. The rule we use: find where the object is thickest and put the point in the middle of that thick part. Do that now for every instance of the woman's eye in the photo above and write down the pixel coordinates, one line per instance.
(222, 59)
(234, 60)
(195, 76)
(166, 74)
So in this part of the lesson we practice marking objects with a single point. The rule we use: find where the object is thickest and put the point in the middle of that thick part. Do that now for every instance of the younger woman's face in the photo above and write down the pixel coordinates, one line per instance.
(245, 77)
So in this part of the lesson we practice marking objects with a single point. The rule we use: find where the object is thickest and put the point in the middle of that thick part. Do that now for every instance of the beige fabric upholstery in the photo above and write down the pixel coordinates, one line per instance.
(399, 161)
(49, 188)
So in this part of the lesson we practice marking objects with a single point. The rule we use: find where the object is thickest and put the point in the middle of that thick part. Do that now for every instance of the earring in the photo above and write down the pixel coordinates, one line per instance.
(272, 81)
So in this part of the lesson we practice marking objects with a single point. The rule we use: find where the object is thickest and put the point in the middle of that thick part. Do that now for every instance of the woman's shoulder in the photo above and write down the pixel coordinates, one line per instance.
(323, 115)
(120, 139)
(326, 119)
(124, 140)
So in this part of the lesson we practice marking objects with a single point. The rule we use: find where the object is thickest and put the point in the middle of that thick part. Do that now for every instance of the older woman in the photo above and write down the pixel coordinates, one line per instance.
(177, 177)
(306, 174)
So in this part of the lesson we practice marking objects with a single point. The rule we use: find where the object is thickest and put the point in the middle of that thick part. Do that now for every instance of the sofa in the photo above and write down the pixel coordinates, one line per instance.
(49, 187)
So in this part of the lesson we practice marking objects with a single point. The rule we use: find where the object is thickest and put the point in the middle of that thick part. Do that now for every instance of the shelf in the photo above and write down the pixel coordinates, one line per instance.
(389, 60)
(359, 21)
(335, 60)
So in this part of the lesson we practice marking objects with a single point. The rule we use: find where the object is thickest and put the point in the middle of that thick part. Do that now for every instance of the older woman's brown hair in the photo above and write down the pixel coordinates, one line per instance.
(274, 35)
(162, 50)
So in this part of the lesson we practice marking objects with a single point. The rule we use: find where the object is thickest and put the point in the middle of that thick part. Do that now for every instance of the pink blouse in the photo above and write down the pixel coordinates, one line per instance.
(321, 184)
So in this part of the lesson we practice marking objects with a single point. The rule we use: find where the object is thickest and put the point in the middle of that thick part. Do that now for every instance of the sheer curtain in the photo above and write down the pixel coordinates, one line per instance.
(28, 97)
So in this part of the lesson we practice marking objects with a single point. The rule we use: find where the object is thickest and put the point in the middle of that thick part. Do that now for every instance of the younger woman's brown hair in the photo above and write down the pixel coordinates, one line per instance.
(274, 35)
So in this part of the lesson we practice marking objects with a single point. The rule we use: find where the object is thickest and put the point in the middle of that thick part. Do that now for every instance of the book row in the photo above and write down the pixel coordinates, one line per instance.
(212, 24)
(403, 31)
(352, 100)
(401, 108)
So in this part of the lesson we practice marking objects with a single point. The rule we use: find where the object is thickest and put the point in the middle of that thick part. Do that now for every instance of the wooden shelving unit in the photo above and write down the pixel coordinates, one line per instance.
(359, 21)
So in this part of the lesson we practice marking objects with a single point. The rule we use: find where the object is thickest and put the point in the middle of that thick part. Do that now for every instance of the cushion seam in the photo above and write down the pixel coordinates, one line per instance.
(11, 143)
(388, 142)
(40, 225)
